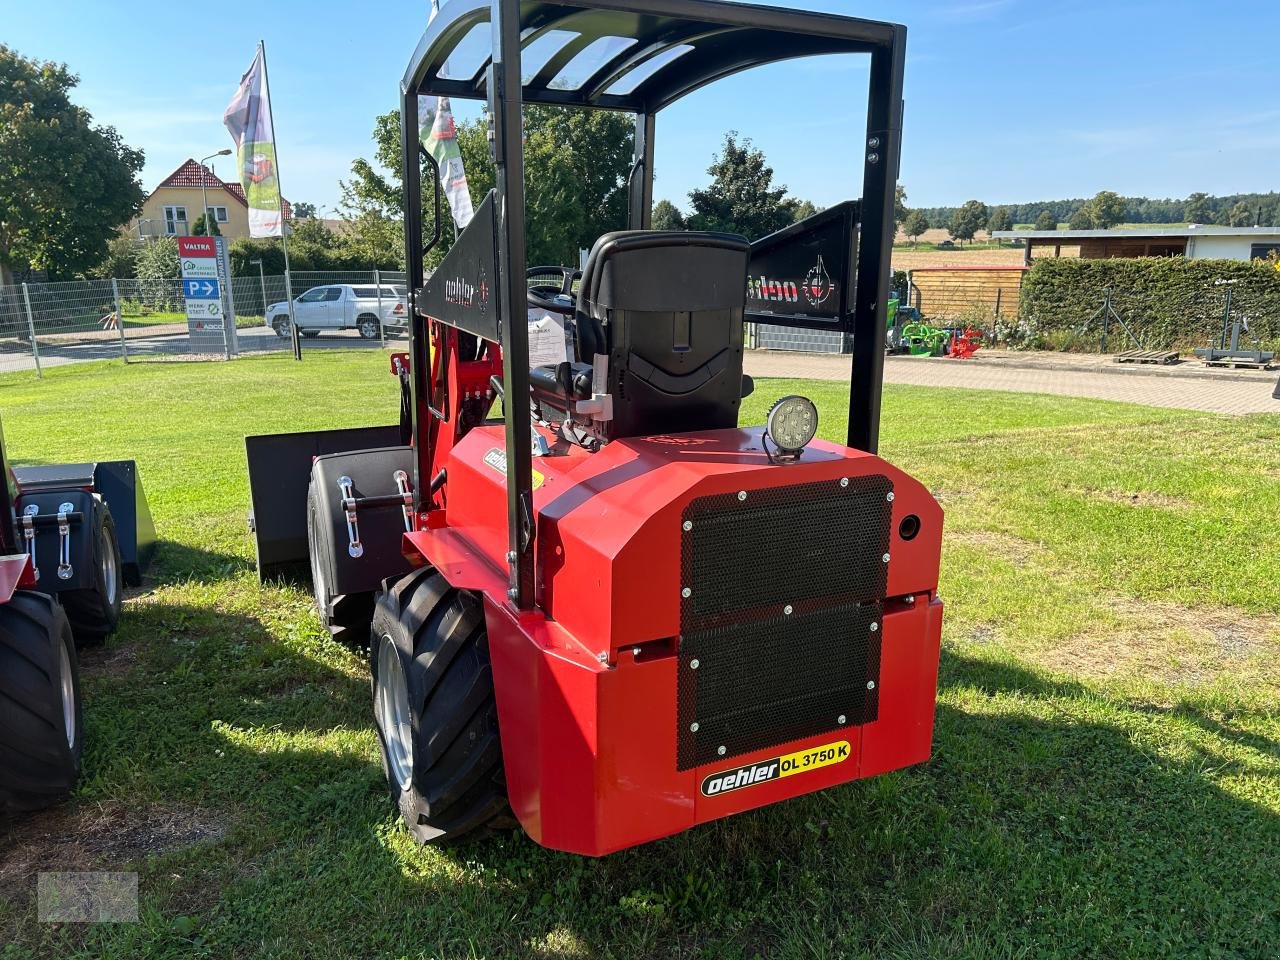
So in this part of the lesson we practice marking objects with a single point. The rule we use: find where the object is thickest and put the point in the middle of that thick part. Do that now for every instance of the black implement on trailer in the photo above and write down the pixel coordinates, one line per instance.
(71, 537)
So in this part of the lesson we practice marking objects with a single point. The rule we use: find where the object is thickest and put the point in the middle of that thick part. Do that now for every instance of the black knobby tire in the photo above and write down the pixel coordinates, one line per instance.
(368, 327)
(94, 611)
(345, 616)
(455, 786)
(39, 761)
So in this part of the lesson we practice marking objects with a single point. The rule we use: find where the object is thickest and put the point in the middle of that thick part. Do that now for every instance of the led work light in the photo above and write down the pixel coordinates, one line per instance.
(791, 424)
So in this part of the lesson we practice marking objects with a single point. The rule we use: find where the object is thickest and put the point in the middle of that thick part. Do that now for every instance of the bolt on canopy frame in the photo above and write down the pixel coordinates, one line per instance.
(668, 48)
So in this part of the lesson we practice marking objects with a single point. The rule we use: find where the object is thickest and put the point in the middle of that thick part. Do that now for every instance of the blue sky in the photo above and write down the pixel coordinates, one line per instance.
(1007, 100)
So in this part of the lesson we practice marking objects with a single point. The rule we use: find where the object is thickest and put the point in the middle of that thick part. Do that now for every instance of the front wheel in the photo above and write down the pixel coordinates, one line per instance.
(40, 725)
(281, 326)
(369, 328)
(434, 708)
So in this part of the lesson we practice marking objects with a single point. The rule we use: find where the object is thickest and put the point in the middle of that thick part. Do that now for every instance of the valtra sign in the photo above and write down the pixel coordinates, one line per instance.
(197, 247)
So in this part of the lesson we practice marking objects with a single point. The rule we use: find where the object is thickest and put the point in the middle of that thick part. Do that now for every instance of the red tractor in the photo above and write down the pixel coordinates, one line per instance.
(72, 536)
(613, 611)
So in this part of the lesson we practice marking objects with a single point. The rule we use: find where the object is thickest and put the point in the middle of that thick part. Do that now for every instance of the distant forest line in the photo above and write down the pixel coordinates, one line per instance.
(1197, 208)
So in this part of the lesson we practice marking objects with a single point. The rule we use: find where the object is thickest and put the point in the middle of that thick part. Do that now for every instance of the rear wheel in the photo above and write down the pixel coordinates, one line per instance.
(345, 616)
(369, 327)
(95, 611)
(40, 724)
(435, 712)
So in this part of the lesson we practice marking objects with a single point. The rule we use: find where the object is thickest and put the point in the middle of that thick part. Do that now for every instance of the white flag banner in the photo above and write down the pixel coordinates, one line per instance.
(439, 136)
(248, 119)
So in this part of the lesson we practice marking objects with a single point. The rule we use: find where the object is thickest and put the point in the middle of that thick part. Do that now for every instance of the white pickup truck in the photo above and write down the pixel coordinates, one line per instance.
(343, 306)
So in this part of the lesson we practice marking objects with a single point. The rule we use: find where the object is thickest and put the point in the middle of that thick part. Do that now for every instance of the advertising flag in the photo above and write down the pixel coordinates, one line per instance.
(439, 136)
(248, 119)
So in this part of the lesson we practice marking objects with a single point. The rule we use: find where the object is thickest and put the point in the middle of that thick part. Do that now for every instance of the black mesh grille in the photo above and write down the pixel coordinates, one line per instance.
(764, 675)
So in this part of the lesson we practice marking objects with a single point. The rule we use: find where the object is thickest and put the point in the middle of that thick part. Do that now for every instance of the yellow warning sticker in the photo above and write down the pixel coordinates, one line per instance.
(765, 770)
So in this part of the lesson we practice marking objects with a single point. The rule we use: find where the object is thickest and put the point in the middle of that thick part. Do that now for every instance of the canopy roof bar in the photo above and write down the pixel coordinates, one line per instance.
(701, 40)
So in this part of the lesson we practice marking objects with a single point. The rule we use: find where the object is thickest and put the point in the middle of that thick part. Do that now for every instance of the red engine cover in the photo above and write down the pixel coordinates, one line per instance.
(587, 683)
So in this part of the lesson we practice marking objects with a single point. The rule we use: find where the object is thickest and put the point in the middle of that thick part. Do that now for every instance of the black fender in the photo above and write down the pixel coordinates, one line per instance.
(355, 558)
(117, 483)
(280, 466)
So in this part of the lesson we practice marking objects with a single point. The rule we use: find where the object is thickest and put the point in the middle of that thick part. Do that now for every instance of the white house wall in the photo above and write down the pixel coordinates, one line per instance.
(1226, 248)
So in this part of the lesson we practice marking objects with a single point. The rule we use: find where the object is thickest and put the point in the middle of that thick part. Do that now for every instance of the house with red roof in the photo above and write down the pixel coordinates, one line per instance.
(173, 207)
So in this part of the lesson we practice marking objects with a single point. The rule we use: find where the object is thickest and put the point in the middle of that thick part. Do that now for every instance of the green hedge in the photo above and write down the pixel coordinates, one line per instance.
(1168, 302)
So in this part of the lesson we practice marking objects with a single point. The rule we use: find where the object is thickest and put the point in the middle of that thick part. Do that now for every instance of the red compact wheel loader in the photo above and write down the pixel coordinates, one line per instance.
(72, 536)
(614, 612)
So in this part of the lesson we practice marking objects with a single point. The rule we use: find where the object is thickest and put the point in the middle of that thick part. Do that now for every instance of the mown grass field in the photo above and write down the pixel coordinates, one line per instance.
(1106, 778)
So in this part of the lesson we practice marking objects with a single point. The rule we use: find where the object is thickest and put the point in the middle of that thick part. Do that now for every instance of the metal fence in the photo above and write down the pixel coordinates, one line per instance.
(44, 325)
(51, 324)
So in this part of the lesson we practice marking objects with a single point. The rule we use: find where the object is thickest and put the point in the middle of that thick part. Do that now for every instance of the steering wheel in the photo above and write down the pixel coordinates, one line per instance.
(556, 298)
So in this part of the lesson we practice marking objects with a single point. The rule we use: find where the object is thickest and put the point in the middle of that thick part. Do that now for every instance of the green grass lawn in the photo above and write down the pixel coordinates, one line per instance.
(1106, 773)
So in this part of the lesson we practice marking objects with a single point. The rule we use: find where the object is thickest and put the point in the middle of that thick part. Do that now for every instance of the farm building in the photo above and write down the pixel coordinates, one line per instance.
(951, 291)
(1196, 242)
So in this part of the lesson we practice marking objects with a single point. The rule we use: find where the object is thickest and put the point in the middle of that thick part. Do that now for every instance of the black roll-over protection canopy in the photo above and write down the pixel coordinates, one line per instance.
(634, 55)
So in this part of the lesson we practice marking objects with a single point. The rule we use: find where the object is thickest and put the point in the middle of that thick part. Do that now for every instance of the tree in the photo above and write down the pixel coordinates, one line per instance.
(303, 210)
(1106, 210)
(1198, 209)
(66, 185)
(899, 203)
(916, 224)
(806, 209)
(1001, 219)
(741, 198)
(1240, 215)
(205, 225)
(157, 267)
(1080, 220)
(313, 231)
(121, 260)
(158, 259)
(969, 219)
(1046, 220)
(667, 216)
(576, 168)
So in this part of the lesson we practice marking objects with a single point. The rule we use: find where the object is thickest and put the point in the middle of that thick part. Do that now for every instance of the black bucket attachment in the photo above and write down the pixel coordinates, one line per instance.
(279, 472)
(118, 483)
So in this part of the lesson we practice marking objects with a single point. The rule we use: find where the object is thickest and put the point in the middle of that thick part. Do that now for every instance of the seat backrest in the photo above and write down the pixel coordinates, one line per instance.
(667, 306)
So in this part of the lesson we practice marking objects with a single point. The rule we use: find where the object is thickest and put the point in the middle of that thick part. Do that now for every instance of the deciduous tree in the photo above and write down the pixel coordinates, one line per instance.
(916, 224)
(576, 168)
(1080, 220)
(1001, 219)
(1240, 215)
(969, 219)
(66, 184)
(806, 209)
(667, 216)
(1198, 209)
(1106, 210)
(1046, 220)
(741, 197)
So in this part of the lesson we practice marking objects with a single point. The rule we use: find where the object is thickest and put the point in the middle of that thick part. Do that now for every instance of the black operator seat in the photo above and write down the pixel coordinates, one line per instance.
(666, 308)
